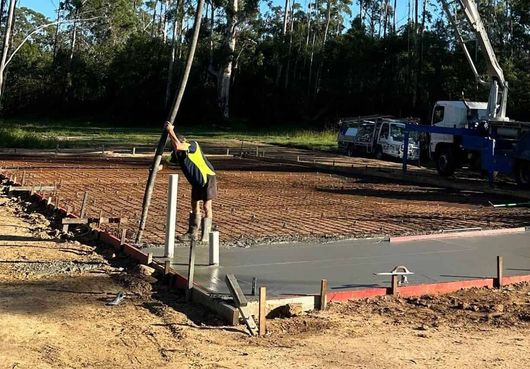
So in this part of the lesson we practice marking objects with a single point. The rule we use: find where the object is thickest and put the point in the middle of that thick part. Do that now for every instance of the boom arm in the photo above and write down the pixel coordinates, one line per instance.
(498, 86)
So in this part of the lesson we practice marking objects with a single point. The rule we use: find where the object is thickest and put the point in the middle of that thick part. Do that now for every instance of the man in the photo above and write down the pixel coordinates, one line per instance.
(201, 175)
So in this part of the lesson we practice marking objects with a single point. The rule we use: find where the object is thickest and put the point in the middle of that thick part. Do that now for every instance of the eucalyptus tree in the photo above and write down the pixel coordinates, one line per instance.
(239, 13)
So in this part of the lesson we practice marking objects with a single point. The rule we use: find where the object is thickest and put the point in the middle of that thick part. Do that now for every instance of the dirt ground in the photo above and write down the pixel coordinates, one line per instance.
(264, 202)
(53, 314)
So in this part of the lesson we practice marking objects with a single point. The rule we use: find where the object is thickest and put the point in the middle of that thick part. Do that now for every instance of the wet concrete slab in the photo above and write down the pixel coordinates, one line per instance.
(298, 268)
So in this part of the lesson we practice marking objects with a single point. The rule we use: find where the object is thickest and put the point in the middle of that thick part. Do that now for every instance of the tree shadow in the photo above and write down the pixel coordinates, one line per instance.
(424, 193)
(13, 238)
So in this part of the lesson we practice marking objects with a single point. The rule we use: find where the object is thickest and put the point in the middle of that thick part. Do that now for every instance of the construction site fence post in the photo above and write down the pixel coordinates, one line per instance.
(171, 220)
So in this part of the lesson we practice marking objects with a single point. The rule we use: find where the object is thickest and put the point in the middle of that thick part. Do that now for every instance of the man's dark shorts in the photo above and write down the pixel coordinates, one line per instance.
(208, 192)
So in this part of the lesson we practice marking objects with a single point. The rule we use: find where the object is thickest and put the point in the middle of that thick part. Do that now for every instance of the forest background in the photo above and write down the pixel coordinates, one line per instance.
(302, 63)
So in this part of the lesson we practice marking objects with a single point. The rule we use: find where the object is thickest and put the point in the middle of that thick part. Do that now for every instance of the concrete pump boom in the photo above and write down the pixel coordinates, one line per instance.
(498, 97)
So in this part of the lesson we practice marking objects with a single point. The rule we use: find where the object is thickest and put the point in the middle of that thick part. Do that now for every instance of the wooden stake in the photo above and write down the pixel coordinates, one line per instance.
(394, 287)
(167, 266)
(500, 271)
(123, 236)
(262, 328)
(254, 286)
(84, 204)
(191, 270)
(323, 294)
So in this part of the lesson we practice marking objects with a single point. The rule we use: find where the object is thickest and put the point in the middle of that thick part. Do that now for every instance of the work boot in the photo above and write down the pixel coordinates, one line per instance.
(206, 229)
(193, 229)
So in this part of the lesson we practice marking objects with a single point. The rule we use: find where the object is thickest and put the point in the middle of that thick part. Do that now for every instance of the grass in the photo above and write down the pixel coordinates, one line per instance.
(12, 137)
(325, 140)
(47, 134)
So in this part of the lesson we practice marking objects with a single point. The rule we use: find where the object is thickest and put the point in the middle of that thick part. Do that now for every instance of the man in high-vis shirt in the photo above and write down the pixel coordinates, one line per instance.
(201, 175)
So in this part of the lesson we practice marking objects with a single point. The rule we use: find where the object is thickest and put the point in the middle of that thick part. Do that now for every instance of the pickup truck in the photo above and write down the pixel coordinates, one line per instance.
(380, 136)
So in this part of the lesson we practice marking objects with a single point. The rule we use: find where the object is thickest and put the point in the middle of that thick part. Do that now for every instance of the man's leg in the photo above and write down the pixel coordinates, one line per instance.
(193, 222)
(195, 207)
(207, 207)
(207, 221)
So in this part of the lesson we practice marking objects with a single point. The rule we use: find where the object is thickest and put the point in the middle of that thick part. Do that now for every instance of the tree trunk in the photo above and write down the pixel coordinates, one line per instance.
(153, 24)
(212, 25)
(164, 21)
(172, 58)
(328, 20)
(321, 64)
(7, 41)
(56, 38)
(285, 17)
(181, 29)
(311, 62)
(73, 42)
(2, 8)
(395, 15)
(289, 53)
(226, 75)
(385, 18)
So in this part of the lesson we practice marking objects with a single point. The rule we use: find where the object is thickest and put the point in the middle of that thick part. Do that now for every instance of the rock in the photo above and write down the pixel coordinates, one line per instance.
(286, 311)
(294, 310)
(463, 305)
(498, 308)
(144, 270)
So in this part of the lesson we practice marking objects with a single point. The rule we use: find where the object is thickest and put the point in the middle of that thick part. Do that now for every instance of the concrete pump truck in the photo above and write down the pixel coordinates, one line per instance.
(477, 134)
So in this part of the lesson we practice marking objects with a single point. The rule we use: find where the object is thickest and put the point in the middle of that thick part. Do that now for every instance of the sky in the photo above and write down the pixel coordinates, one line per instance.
(47, 7)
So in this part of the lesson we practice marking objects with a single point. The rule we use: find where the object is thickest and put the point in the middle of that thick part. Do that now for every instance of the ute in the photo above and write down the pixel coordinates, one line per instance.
(380, 136)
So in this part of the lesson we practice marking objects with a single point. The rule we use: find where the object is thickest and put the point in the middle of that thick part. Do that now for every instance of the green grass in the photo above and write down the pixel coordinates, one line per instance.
(11, 137)
(325, 140)
(47, 134)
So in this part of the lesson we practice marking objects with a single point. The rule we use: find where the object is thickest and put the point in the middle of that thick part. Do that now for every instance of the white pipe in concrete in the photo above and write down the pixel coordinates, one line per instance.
(214, 248)
(171, 219)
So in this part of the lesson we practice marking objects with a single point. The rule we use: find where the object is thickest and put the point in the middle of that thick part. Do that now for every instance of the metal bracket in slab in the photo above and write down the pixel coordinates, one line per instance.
(401, 271)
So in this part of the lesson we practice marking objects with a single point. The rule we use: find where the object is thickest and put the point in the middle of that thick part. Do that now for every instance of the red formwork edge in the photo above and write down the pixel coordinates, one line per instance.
(424, 289)
(356, 294)
(437, 236)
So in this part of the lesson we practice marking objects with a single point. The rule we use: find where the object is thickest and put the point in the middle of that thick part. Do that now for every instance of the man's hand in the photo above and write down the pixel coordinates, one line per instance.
(169, 127)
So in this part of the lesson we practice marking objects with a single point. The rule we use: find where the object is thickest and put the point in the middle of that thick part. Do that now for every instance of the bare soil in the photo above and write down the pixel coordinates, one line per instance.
(55, 316)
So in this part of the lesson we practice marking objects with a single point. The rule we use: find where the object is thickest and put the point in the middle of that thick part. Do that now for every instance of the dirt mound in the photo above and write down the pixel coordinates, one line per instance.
(301, 325)
(477, 306)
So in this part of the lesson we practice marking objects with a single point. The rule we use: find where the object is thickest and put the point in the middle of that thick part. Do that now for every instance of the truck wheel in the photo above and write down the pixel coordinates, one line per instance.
(350, 151)
(445, 162)
(522, 174)
(379, 153)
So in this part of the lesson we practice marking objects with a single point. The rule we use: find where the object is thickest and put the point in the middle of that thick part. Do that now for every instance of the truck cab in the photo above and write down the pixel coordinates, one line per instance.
(445, 149)
(390, 141)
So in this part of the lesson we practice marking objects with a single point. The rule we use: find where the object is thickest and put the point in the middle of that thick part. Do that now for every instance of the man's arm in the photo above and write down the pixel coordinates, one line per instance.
(177, 145)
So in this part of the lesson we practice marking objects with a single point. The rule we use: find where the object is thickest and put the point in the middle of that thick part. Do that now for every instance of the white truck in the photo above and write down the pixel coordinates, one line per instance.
(478, 133)
(380, 136)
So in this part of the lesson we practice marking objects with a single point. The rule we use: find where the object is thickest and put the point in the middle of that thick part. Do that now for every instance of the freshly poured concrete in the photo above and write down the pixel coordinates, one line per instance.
(298, 268)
